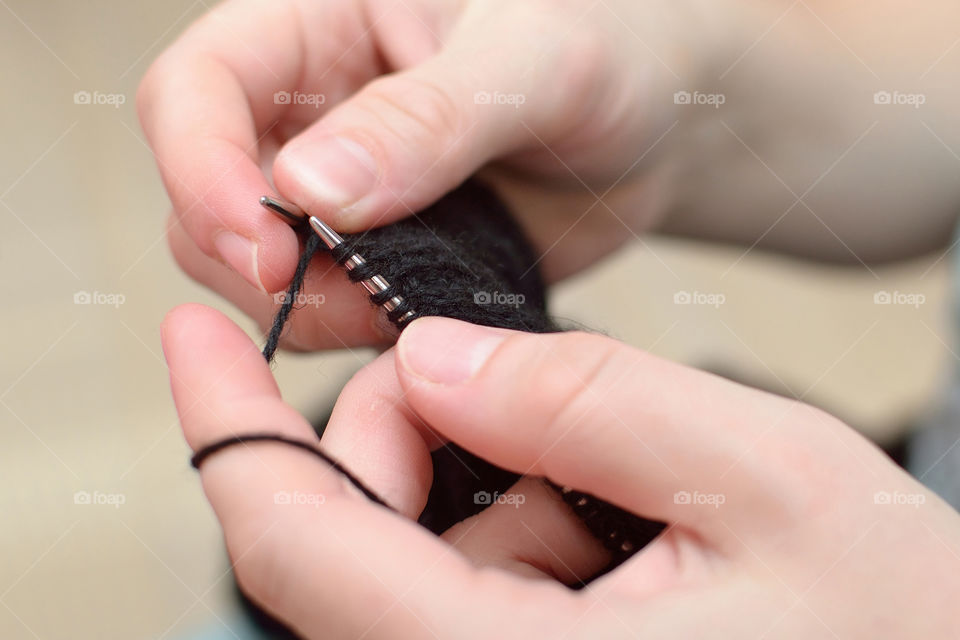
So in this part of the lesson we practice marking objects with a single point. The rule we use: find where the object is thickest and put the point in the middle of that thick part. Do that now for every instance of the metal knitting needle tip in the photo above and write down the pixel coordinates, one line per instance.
(375, 284)
(289, 211)
(330, 237)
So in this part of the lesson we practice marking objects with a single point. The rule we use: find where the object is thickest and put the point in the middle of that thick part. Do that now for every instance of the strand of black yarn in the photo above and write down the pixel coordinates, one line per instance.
(243, 439)
(290, 298)
(269, 350)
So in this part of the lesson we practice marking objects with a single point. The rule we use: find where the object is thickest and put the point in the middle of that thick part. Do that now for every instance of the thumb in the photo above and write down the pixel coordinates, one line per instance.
(400, 143)
(656, 438)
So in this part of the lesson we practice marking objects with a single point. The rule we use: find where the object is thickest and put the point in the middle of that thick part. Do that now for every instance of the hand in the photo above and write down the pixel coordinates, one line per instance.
(366, 110)
(783, 522)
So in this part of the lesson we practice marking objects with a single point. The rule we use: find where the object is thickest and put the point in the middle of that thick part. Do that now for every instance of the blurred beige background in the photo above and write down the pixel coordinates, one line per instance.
(84, 403)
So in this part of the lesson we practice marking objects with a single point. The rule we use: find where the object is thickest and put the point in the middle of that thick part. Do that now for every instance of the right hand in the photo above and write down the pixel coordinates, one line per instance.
(784, 522)
(568, 96)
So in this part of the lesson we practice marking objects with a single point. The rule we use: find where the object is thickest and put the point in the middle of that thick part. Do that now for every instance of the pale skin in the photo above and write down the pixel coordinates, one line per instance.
(801, 546)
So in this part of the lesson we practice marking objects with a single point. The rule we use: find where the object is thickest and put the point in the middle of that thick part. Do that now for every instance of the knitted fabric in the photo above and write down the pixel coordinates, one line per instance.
(463, 258)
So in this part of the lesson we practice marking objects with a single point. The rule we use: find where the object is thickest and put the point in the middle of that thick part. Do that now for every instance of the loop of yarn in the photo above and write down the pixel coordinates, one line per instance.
(210, 449)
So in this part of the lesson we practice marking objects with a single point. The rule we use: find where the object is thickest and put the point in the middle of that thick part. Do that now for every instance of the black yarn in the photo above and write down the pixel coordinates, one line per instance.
(211, 449)
(290, 298)
(456, 259)
(462, 258)
(269, 350)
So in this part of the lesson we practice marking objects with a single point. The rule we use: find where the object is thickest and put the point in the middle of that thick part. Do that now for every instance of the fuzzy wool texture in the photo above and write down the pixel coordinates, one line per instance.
(464, 258)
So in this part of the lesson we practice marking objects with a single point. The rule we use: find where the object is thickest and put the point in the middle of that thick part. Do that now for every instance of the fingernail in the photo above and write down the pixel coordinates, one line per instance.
(335, 171)
(445, 351)
(241, 254)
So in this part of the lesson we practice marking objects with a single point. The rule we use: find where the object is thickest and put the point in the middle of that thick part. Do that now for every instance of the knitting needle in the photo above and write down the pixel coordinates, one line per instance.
(374, 284)
(288, 210)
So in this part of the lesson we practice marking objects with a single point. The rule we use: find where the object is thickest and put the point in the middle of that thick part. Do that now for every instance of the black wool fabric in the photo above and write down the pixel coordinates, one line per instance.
(466, 258)
(459, 258)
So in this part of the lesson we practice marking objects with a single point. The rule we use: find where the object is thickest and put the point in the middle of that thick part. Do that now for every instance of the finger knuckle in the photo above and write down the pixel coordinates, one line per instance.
(577, 386)
(416, 109)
